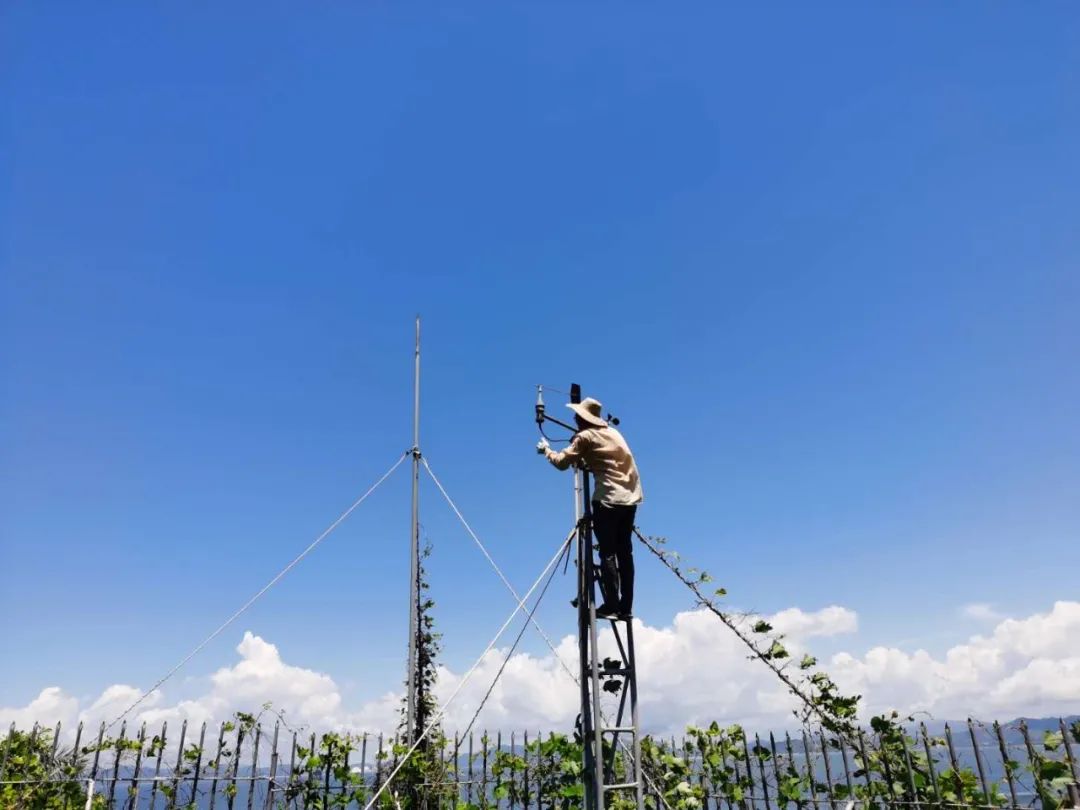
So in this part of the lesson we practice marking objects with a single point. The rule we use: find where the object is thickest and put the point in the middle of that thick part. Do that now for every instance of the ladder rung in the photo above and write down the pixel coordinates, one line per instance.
(618, 729)
(614, 671)
(621, 786)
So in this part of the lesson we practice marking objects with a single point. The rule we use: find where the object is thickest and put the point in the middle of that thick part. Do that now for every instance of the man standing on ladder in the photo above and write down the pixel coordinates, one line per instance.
(605, 453)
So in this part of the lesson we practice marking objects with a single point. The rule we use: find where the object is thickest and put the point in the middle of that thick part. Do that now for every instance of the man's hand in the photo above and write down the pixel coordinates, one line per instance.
(542, 446)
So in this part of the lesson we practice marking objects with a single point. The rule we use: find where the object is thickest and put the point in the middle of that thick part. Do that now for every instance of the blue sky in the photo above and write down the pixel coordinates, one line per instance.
(822, 261)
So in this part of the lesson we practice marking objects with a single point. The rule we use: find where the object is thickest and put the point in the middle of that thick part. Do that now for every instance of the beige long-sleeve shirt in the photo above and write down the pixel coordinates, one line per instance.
(607, 456)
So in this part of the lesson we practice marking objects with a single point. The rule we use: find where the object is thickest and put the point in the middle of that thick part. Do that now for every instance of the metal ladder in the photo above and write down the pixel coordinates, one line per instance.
(600, 740)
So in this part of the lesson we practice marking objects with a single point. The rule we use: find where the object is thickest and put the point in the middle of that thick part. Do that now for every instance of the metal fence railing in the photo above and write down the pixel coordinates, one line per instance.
(242, 764)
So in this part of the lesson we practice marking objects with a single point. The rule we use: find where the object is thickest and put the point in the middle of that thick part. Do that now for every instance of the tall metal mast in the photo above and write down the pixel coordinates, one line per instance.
(414, 554)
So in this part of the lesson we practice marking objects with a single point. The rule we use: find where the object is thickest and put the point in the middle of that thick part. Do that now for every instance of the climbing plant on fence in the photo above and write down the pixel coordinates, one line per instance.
(903, 764)
(36, 772)
(710, 767)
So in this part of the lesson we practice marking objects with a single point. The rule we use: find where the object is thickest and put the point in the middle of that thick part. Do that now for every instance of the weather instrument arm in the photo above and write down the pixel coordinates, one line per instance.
(542, 416)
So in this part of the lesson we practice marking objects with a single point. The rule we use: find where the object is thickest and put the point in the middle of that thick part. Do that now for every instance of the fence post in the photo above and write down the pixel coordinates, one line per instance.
(749, 770)
(847, 769)
(363, 762)
(157, 766)
(116, 763)
(292, 765)
(539, 771)
(134, 789)
(791, 761)
(178, 772)
(828, 770)
(513, 737)
(217, 766)
(758, 748)
(483, 770)
(1006, 763)
(7, 750)
(378, 764)
(781, 802)
(1039, 786)
(326, 771)
(231, 789)
(525, 781)
(270, 786)
(867, 775)
(498, 748)
(979, 762)
(1069, 753)
(89, 794)
(704, 784)
(470, 786)
(457, 774)
(930, 764)
(75, 750)
(198, 763)
(97, 752)
(955, 764)
(910, 771)
(884, 756)
(809, 769)
(255, 769)
(349, 739)
(56, 740)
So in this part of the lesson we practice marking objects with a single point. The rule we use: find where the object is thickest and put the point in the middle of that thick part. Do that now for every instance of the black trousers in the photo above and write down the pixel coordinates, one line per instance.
(614, 529)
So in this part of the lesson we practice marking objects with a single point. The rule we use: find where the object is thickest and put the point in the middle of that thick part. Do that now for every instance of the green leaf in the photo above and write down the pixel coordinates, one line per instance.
(777, 650)
(762, 626)
(1052, 769)
(1052, 740)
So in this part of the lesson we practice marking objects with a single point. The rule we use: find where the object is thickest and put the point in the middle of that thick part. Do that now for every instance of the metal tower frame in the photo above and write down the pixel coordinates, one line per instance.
(601, 741)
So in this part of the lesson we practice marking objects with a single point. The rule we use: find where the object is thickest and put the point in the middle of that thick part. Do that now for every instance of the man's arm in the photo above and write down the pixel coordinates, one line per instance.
(565, 459)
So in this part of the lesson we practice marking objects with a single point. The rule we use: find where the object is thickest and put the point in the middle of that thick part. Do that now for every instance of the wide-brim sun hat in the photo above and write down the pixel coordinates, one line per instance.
(589, 410)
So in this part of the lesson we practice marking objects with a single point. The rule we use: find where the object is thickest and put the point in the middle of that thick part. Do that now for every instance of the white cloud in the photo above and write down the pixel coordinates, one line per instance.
(1025, 667)
(980, 611)
(693, 670)
(51, 706)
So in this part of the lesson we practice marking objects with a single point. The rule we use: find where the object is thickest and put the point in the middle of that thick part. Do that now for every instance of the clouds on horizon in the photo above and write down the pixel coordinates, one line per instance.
(690, 671)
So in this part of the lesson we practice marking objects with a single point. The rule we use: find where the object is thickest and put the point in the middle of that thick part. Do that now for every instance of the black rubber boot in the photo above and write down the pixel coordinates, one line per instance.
(609, 581)
(606, 611)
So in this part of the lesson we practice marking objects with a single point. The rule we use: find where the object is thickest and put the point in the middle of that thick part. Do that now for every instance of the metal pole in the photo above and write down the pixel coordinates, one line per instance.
(594, 654)
(584, 588)
(577, 496)
(414, 550)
